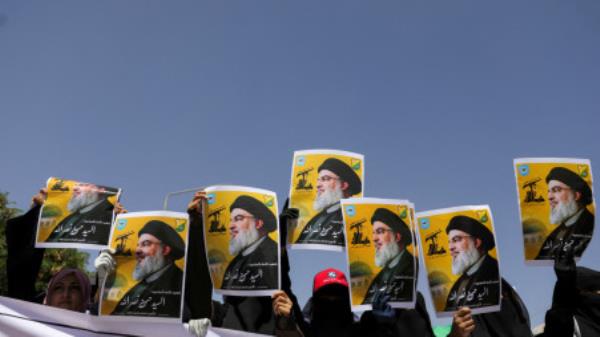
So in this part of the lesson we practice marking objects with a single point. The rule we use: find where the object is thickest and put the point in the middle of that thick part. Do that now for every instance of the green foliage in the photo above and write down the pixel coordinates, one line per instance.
(54, 259)
(6, 212)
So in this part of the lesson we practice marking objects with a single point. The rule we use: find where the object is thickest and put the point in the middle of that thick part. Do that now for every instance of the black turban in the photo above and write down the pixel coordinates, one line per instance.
(167, 235)
(574, 181)
(394, 222)
(474, 228)
(258, 209)
(345, 172)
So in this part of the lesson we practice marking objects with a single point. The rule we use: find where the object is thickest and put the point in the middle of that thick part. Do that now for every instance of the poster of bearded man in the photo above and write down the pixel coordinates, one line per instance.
(556, 206)
(150, 254)
(241, 230)
(76, 215)
(458, 246)
(380, 252)
(320, 179)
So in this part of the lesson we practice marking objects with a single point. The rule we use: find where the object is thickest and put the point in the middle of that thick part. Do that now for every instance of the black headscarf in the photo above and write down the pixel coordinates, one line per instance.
(587, 305)
(511, 321)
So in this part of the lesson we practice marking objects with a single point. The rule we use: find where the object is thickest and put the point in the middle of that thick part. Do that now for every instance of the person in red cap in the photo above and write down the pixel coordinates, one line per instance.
(327, 312)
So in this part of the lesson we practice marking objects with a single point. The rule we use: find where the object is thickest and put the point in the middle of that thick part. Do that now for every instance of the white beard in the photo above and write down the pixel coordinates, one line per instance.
(563, 211)
(327, 198)
(149, 265)
(465, 259)
(242, 240)
(80, 201)
(386, 253)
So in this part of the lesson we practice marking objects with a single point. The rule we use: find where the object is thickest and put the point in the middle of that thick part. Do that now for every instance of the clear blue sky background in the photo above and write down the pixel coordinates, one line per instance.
(440, 96)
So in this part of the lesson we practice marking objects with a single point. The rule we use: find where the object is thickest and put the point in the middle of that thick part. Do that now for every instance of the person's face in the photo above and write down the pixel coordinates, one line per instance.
(383, 235)
(459, 242)
(327, 181)
(84, 189)
(66, 294)
(148, 245)
(559, 193)
(241, 221)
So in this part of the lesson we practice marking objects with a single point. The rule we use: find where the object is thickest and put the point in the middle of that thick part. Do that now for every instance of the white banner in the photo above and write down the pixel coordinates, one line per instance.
(26, 319)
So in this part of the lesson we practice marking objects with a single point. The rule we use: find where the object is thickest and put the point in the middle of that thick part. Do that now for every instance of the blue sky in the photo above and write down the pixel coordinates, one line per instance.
(440, 96)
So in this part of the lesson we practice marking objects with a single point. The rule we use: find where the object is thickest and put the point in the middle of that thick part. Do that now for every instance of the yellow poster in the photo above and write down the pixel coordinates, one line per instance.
(241, 229)
(459, 249)
(556, 206)
(76, 215)
(150, 252)
(381, 254)
(320, 179)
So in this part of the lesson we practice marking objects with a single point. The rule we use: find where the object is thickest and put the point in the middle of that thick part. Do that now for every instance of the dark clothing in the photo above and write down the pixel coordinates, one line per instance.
(398, 281)
(90, 227)
(511, 321)
(198, 285)
(570, 304)
(406, 322)
(160, 298)
(23, 261)
(255, 314)
(324, 228)
(579, 235)
(482, 288)
(255, 271)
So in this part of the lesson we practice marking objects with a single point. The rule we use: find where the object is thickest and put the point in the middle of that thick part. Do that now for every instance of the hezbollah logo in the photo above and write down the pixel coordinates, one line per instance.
(482, 215)
(403, 212)
(355, 164)
(583, 171)
(269, 201)
(180, 225)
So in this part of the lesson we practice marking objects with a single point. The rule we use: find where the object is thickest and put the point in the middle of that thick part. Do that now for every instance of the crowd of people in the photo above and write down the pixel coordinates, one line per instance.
(575, 309)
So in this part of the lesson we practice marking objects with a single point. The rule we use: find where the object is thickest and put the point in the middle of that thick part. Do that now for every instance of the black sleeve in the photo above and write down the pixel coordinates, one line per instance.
(23, 261)
(286, 281)
(559, 319)
(198, 286)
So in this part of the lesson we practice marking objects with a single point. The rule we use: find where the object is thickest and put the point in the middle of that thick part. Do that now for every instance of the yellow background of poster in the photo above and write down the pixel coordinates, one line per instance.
(535, 216)
(361, 257)
(126, 264)
(439, 266)
(303, 199)
(55, 206)
(217, 243)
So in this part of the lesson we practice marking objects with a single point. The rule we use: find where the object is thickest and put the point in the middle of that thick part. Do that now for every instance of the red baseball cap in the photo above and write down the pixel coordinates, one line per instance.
(327, 277)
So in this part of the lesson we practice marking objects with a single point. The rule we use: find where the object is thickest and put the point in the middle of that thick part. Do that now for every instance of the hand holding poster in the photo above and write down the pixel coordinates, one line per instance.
(241, 227)
(556, 206)
(150, 251)
(76, 215)
(320, 179)
(458, 246)
(380, 250)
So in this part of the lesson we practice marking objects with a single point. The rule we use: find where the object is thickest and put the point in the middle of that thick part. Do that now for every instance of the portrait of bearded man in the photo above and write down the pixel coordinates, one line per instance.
(336, 180)
(255, 265)
(568, 196)
(391, 236)
(90, 217)
(158, 292)
(479, 281)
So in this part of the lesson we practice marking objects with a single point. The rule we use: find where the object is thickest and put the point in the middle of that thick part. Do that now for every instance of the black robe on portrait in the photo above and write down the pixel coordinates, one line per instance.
(580, 233)
(92, 226)
(324, 228)
(163, 296)
(255, 271)
(398, 280)
(482, 288)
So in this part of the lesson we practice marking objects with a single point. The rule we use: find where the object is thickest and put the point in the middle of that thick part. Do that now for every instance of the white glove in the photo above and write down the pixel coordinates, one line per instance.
(198, 327)
(105, 264)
